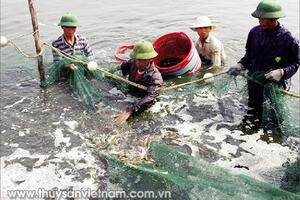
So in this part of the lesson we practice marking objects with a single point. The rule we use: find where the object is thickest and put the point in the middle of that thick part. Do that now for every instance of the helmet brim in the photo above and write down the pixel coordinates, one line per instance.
(143, 56)
(68, 24)
(269, 15)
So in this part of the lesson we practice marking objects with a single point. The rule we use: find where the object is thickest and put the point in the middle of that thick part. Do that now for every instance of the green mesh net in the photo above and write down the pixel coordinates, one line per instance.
(186, 177)
(276, 113)
(79, 80)
(291, 179)
(219, 85)
(280, 109)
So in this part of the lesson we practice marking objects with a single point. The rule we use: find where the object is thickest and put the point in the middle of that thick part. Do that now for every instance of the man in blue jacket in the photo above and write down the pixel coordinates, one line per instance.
(141, 70)
(70, 42)
(271, 50)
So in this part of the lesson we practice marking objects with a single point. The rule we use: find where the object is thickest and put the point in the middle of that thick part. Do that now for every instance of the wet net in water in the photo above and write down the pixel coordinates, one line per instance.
(78, 79)
(280, 111)
(186, 177)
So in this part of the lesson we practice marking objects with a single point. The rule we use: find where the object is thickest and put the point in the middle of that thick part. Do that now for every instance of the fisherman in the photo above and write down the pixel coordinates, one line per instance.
(272, 55)
(72, 60)
(141, 70)
(210, 49)
(69, 42)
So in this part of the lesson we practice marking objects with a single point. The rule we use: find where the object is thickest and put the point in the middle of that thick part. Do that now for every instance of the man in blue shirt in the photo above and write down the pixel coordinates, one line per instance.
(141, 69)
(69, 42)
(72, 57)
(271, 50)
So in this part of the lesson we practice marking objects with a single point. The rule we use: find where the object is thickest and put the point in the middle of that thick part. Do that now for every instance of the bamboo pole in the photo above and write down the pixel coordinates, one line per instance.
(37, 41)
(191, 82)
(292, 94)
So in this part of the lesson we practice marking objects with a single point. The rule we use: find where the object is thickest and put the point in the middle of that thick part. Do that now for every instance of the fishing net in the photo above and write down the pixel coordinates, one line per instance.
(184, 176)
(291, 179)
(188, 178)
(276, 114)
(78, 79)
(217, 83)
(279, 109)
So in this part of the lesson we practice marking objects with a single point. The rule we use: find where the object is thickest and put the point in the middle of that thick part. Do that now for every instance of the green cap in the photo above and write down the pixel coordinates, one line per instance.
(268, 9)
(143, 50)
(68, 20)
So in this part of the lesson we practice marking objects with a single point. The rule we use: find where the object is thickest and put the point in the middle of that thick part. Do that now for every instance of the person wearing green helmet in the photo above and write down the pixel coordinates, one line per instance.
(272, 54)
(69, 42)
(141, 70)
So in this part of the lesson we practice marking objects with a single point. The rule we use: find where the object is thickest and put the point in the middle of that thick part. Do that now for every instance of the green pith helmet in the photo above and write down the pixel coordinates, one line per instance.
(68, 20)
(268, 9)
(143, 50)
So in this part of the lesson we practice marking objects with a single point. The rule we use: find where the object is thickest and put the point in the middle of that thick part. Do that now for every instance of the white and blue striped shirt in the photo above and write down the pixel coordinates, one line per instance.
(79, 47)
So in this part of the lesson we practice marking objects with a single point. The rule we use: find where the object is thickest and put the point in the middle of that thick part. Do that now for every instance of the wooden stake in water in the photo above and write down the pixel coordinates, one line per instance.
(37, 41)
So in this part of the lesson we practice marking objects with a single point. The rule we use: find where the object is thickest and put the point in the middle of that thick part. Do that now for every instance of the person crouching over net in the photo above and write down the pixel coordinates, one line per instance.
(141, 70)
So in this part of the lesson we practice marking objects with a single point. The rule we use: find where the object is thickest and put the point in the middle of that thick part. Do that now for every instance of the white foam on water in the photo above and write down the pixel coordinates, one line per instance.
(56, 123)
(262, 157)
(27, 130)
(14, 145)
(25, 110)
(24, 132)
(207, 99)
(14, 127)
(158, 108)
(71, 124)
(49, 175)
(185, 117)
(174, 107)
(60, 138)
(62, 115)
(227, 149)
(233, 147)
(259, 156)
(21, 133)
(15, 103)
(46, 110)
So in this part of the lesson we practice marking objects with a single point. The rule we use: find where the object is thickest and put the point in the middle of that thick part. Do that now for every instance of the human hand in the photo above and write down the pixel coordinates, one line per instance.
(235, 70)
(120, 119)
(71, 66)
(275, 75)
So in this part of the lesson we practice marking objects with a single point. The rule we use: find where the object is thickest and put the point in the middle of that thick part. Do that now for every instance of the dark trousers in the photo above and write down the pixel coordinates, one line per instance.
(260, 95)
(255, 99)
(205, 61)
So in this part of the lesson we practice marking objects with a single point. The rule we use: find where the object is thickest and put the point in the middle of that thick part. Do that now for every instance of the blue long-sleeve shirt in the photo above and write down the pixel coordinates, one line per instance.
(268, 50)
(80, 46)
(151, 78)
